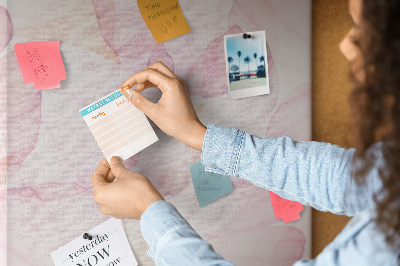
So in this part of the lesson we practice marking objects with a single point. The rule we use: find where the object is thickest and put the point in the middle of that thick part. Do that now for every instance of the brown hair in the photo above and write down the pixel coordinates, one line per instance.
(375, 101)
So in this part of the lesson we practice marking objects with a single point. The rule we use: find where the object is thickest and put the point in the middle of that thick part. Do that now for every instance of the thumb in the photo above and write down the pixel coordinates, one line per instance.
(116, 166)
(139, 101)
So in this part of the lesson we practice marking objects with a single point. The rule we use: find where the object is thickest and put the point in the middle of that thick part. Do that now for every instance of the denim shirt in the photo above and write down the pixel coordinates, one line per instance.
(312, 173)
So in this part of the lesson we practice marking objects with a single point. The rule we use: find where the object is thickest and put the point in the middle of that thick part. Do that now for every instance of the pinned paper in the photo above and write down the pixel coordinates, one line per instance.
(209, 186)
(164, 18)
(41, 64)
(108, 246)
(284, 209)
(118, 126)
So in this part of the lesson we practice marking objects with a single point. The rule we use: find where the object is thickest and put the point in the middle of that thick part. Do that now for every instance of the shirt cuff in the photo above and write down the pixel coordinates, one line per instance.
(222, 148)
(158, 219)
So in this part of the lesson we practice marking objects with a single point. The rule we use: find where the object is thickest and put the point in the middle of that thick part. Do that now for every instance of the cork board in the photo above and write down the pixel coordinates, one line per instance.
(331, 88)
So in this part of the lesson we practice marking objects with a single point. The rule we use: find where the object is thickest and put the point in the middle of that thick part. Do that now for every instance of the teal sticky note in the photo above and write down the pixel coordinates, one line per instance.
(209, 186)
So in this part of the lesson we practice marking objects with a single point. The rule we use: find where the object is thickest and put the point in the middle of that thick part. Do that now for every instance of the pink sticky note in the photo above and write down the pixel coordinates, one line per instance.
(284, 209)
(41, 63)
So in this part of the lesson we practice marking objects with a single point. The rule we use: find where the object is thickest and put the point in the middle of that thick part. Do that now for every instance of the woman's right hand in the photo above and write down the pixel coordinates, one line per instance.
(173, 113)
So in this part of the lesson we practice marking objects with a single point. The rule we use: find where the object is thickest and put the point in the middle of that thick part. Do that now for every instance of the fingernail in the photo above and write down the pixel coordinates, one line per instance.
(125, 88)
(115, 160)
(129, 92)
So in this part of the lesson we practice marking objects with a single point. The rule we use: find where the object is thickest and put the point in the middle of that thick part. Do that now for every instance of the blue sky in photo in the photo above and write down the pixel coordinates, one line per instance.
(248, 47)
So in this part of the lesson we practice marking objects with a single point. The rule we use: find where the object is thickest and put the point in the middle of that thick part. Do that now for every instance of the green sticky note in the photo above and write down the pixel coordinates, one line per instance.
(209, 186)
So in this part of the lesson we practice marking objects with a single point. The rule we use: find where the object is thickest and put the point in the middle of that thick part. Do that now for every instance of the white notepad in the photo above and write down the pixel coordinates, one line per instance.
(118, 126)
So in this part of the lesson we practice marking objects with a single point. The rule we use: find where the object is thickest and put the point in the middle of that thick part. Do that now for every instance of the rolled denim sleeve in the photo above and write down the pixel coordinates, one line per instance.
(172, 241)
(312, 173)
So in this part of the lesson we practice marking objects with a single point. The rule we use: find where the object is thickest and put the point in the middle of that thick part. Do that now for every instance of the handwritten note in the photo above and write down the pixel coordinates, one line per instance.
(284, 209)
(108, 246)
(209, 186)
(164, 18)
(118, 126)
(41, 64)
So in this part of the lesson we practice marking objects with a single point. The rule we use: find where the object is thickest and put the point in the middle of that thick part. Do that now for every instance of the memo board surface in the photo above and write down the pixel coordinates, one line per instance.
(51, 153)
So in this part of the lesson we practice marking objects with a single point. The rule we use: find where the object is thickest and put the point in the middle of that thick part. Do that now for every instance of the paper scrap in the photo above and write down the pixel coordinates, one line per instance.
(119, 128)
(209, 186)
(109, 246)
(164, 18)
(284, 209)
(41, 63)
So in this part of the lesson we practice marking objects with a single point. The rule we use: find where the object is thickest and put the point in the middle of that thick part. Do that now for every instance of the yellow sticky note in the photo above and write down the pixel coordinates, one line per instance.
(164, 18)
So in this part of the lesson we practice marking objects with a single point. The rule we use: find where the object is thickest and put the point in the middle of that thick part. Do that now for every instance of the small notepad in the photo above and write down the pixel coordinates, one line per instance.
(118, 126)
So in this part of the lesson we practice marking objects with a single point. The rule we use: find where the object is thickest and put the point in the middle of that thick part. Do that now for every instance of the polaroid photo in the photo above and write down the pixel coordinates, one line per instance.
(246, 64)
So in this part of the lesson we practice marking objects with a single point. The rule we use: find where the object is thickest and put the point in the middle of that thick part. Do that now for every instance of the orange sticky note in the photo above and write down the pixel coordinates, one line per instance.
(164, 18)
(284, 209)
(41, 63)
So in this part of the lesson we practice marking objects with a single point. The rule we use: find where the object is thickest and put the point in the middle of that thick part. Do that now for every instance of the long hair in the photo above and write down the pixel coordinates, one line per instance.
(375, 103)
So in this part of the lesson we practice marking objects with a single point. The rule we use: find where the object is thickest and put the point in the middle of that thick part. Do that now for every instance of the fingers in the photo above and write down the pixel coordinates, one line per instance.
(100, 174)
(140, 102)
(110, 177)
(117, 167)
(142, 86)
(160, 67)
(160, 80)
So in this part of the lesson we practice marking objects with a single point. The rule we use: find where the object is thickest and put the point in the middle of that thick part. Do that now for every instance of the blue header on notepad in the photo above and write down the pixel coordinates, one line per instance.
(101, 103)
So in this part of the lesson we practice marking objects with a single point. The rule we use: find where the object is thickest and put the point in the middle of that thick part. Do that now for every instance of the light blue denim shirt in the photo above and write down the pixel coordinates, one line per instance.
(312, 173)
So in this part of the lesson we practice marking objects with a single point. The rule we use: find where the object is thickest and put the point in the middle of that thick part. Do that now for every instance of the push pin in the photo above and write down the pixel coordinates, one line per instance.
(125, 88)
(246, 36)
(87, 236)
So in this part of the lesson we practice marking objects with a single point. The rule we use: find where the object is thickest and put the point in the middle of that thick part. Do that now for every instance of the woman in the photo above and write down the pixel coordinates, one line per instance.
(362, 182)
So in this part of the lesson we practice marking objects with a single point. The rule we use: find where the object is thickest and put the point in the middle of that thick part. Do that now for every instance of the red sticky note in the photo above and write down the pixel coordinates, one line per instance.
(284, 209)
(41, 63)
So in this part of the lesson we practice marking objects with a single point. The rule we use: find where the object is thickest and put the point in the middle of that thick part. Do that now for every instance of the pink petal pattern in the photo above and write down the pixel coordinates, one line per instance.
(287, 245)
(208, 74)
(6, 28)
(123, 28)
(47, 192)
(131, 162)
(287, 119)
(245, 15)
(167, 178)
(159, 53)
(24, 117)
(41, 202)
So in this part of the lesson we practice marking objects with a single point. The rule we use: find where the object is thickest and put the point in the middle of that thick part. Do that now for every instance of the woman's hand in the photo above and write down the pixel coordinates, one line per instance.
(174, 113)
(127, 197)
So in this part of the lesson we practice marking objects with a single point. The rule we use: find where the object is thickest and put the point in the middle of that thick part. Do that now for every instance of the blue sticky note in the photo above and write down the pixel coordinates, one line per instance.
(209, 186)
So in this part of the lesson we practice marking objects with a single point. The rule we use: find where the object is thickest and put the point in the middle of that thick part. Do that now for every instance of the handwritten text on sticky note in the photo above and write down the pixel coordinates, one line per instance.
(164, 18)
(41, 64)
(209, 186)
(284, 209)
(108, 246)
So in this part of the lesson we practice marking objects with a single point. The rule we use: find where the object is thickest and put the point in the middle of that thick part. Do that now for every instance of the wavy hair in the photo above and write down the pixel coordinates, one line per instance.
(375, 103)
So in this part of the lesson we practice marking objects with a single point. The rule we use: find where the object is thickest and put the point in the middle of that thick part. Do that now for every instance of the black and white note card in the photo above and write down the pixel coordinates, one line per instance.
(109, 246)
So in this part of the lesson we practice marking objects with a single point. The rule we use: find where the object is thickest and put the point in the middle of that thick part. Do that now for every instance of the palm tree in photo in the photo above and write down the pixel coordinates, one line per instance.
(230, 60)
(239, 54)
(247, 60)
(262, 59)
(255, 57)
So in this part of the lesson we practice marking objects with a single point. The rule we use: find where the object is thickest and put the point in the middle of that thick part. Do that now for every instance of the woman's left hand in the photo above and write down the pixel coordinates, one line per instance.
(127, 197)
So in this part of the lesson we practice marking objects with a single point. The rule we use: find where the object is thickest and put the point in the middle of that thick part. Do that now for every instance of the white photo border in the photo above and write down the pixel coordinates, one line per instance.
(247, 92)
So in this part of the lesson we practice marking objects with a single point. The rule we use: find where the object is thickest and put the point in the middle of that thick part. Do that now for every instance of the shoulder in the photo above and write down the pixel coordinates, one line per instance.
(362, 241)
